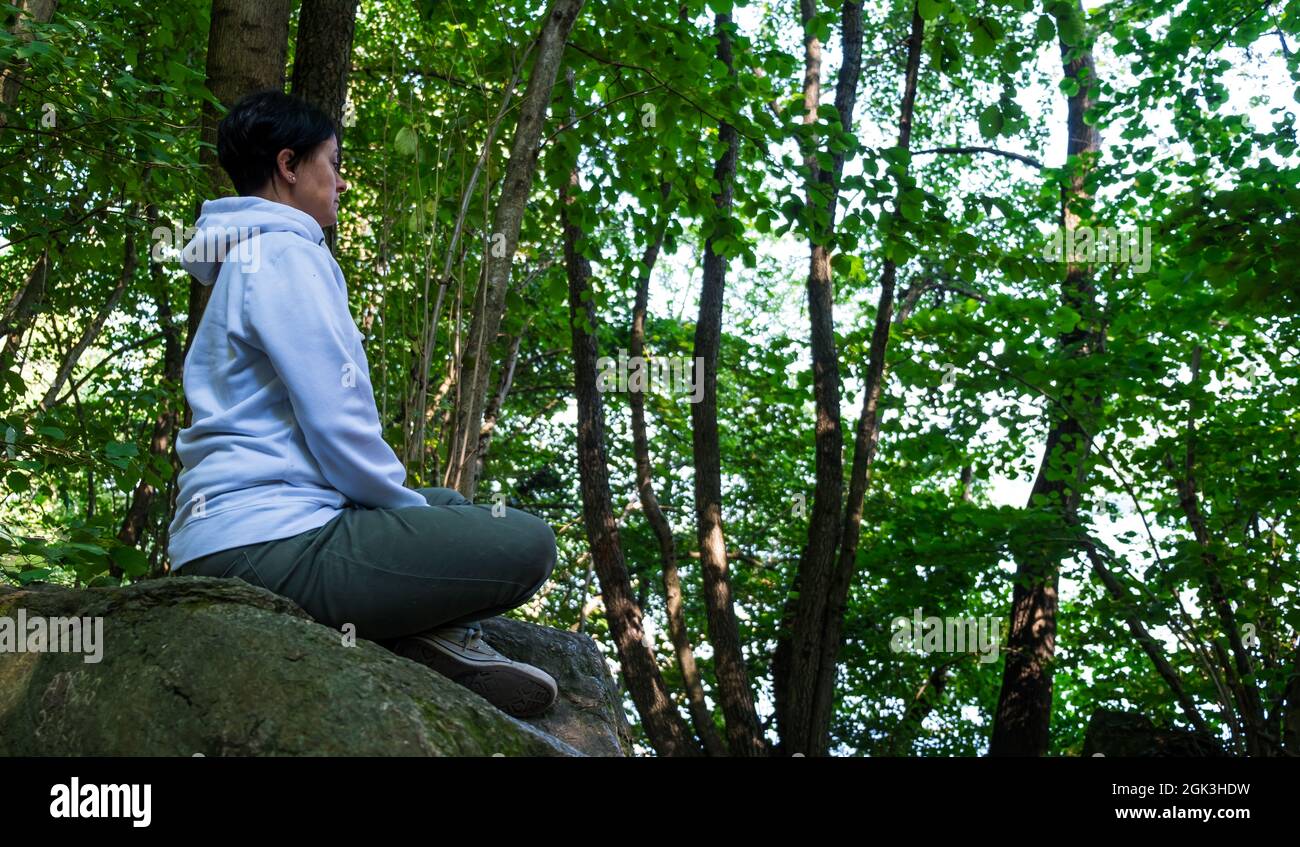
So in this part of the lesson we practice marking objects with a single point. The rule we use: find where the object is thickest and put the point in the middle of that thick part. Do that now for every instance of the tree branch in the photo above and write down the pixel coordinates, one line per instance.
(1028, 160)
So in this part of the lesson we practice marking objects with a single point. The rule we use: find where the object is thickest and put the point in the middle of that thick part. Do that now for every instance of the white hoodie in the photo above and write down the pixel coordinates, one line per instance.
(285, 433)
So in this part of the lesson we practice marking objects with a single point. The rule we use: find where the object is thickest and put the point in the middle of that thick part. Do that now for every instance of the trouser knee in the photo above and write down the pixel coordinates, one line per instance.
(539, 550)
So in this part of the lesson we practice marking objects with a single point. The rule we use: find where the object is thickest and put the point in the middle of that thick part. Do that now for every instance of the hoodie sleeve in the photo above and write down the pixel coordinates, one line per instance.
(298, 315)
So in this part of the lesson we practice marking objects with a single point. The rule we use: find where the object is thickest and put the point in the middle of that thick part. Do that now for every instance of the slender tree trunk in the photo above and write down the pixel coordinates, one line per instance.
(24, 306)
(1153, 649)
(1244, 690)
(701, 718)
(927, 697)
(744, 736)
(498, 401)
(418, 407)
(1021, 725)
(168, 417)
(806, 672)
(22, 309)
(323, 56)
(11, 77)
(581, 625)
(867, 436)
(476, 361)
(321, 61)
(247, 44)
(96, 325)
(666, 730)
(801, 649)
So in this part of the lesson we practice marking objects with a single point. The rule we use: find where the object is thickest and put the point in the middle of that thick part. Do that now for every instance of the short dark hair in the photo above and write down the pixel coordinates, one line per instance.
(262, 124)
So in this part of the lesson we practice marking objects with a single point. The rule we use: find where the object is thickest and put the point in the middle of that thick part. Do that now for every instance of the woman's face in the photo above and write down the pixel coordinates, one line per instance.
(314, 185)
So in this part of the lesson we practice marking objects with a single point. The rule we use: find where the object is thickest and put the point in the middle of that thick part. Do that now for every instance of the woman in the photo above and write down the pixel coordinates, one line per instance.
(287, 481)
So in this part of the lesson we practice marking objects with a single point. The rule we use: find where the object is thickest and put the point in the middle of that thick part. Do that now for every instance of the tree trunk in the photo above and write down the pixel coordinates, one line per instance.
(808, 669)
(96, 325)
(22, 309)
(816, 565)
(498, 401)
(701, 717)
(168, 418)
(1024, 712)
(11, 77)
(1244, 690)
(417, 409)
(867, 436)
(927, 697)
(321, 61)
(744, 737)
(664, 726)
(1153, 648)
(476, 360)
(247, 44)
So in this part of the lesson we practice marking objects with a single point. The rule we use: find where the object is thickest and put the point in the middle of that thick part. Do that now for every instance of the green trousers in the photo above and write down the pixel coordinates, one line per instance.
(395, 572)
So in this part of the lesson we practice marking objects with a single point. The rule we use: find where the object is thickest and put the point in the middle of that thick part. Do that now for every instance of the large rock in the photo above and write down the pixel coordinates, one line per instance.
(1114, 733)
(589, 714)
(195, 665)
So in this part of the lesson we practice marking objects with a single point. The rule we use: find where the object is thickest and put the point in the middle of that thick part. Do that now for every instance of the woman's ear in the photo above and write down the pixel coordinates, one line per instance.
(282, 166)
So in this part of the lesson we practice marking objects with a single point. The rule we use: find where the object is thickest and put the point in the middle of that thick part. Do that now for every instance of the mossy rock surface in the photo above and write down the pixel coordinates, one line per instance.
(195, 665)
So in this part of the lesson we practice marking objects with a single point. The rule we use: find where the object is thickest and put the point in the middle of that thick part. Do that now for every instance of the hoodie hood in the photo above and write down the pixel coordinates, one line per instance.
(231, 224)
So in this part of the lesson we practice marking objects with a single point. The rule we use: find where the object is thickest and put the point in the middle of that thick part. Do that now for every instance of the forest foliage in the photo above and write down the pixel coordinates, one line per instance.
(1183, 380)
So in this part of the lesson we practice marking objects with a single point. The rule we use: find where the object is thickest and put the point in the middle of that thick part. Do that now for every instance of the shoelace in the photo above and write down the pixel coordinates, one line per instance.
(473, 640)
(470, 638)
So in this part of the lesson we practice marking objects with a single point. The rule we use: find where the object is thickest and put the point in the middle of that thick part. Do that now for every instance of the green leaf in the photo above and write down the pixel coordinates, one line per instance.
(33, 48)
(1065, 319)
(911, 205)
(991, 122)
(930, 9)
(13, 381)
(896, 156)
(1071, 28)
(92, 549)
(1044, 30)
(117, 450)
(985, 33)
(406, 141)
(898, 251)
(133, 562)
(26, 577)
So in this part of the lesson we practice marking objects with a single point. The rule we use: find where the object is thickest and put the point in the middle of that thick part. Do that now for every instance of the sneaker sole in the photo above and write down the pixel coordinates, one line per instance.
(514, 693)
(508, 687)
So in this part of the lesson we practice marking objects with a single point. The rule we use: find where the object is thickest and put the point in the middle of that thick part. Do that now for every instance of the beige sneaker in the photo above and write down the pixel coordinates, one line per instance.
(460, 654)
